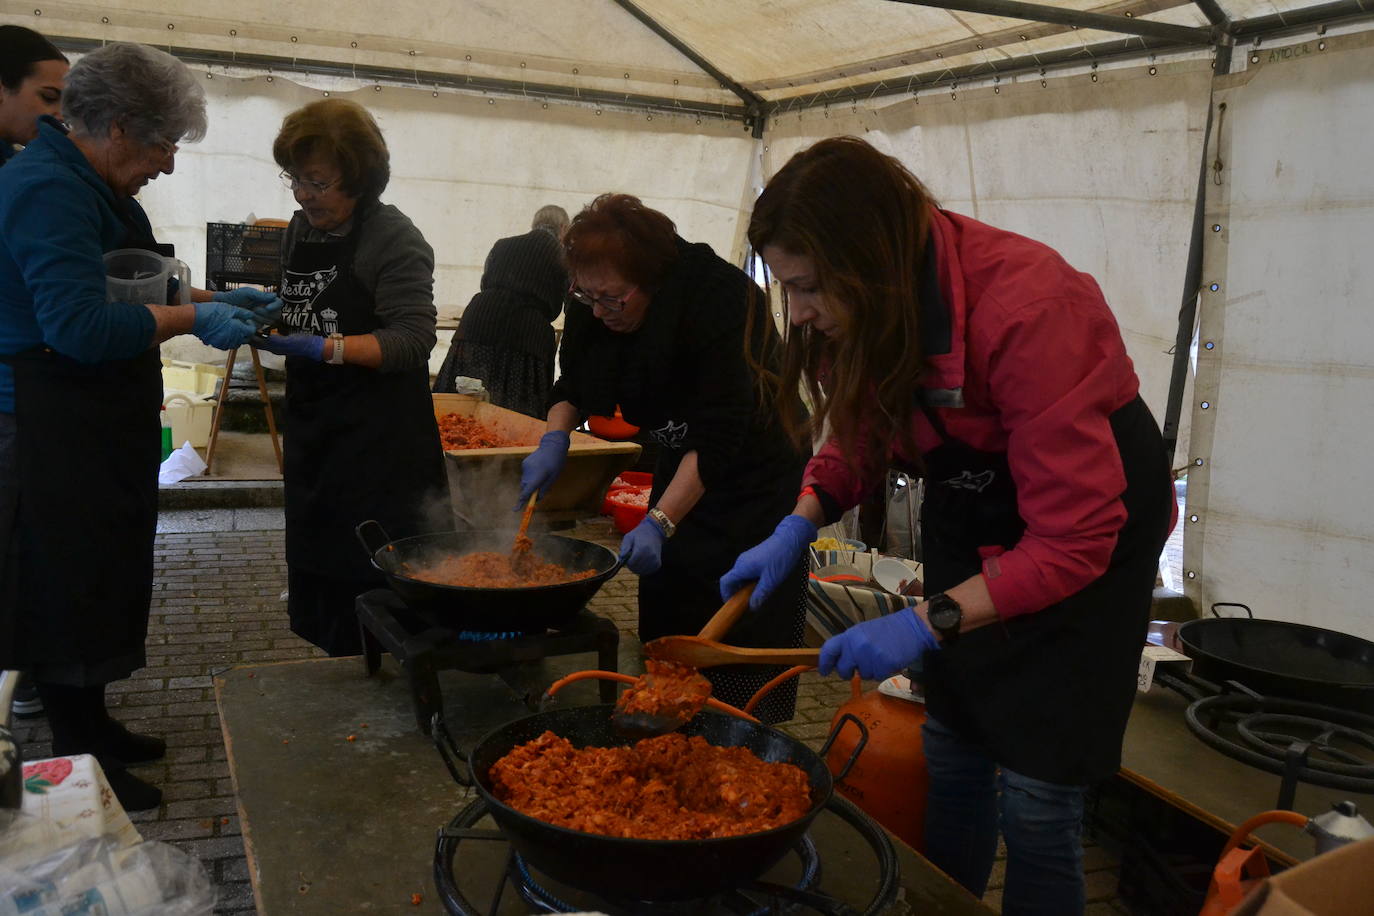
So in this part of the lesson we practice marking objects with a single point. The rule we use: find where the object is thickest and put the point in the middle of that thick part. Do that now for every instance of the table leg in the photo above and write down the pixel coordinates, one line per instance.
(372, 649)
(424, 689)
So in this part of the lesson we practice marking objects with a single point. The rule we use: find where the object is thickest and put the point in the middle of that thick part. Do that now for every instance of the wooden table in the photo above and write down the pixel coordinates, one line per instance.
(333, 825)
(1163, 757)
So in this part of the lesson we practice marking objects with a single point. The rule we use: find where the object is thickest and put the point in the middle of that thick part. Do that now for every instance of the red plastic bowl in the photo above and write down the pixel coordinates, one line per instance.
(625, 518)
(614, 428)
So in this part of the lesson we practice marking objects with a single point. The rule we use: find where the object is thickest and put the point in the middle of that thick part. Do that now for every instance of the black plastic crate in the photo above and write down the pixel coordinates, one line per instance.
(236, 254)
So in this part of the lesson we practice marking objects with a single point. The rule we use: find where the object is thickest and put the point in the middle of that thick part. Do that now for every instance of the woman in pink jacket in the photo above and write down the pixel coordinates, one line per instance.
(982, 360)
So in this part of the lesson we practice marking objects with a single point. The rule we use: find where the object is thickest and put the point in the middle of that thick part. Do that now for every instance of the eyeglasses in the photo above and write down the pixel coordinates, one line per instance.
(315, 187)
(167, 148)
(609, 303)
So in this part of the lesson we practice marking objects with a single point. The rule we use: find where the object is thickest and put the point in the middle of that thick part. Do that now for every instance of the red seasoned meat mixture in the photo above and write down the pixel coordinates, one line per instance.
(488, 569)
(667, 788)
(666, 689)
(457, 432)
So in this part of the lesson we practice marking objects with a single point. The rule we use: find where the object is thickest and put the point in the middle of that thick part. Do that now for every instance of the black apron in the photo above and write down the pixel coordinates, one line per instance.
(1047, 693)
(359, 444)
(88, 457)
(685, 592)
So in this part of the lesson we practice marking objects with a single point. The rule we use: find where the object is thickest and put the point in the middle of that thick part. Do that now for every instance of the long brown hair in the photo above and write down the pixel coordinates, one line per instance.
(863, 221)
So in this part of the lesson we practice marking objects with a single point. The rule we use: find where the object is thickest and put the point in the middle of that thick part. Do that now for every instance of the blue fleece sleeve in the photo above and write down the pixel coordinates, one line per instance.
(53, 231)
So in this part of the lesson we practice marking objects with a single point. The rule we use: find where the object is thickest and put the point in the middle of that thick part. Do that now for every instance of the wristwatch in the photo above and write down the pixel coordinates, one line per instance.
(664, 522)
(945, 616)
(336, 358)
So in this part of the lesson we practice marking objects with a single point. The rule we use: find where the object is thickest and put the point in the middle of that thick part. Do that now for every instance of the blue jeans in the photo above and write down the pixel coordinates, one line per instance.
(970, 798)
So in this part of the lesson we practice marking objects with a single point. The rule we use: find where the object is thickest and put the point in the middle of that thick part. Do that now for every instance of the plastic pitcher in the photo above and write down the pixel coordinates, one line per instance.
(140, 277)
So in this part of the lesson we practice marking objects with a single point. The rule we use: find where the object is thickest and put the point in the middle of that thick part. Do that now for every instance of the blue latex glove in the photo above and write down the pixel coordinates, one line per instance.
(306, 346)
(542, 467)
(642, 548)
(769, 563)
(878, 648)
(266, 307)
(223, 326)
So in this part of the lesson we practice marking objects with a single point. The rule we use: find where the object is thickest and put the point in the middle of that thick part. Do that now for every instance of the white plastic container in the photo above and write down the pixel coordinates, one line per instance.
(192, 378)
(190, 415)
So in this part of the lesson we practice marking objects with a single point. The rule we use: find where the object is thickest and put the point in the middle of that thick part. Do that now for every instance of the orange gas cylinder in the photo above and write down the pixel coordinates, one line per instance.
(888, 779)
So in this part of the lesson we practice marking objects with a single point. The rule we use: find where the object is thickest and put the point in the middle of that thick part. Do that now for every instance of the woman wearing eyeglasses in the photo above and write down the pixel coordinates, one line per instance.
(361, 439)
(81, 386)
(684, 343)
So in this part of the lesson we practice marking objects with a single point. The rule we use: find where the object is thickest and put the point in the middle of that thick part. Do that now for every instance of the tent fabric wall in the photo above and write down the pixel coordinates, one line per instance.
(467, 170)
(1104, 171)
(1280, 511)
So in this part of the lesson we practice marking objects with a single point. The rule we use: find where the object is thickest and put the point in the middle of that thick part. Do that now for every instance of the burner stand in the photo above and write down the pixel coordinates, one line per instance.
(424, 648)
(752, 898)
(1295, 739)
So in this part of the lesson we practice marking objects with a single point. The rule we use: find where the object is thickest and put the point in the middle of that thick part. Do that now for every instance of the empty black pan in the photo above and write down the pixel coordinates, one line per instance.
(1282, 659)
(490, 609)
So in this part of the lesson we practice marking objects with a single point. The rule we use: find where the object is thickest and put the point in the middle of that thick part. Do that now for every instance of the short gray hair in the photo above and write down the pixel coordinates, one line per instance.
(150, 93)
(551, 218)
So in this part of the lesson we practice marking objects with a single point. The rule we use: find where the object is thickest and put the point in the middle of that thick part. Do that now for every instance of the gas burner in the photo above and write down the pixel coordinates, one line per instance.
(1298, 740)
(801, 893)
(424, 646)
(485, 636)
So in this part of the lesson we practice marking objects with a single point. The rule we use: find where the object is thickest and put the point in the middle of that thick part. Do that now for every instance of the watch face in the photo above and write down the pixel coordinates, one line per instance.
(944, 614)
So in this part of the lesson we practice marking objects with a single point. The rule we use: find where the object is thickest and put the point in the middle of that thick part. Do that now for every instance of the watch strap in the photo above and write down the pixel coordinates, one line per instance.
(336, 358)
(663, 521)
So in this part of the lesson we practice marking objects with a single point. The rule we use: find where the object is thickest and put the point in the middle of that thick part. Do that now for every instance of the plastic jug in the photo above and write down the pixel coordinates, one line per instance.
(140, 277)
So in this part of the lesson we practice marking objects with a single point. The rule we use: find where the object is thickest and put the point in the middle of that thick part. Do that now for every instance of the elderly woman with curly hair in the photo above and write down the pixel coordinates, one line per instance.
(361, 439)
(80, 391)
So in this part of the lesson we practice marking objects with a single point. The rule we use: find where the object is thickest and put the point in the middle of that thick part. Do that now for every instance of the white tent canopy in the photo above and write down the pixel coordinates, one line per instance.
(1086, 125)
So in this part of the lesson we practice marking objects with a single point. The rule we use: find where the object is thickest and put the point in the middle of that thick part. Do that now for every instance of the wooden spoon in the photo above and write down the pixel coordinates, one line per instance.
(522, 544)
(707, 653)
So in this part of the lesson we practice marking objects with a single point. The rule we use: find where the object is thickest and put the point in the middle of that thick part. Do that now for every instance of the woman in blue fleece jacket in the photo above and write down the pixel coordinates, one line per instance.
(80, 391)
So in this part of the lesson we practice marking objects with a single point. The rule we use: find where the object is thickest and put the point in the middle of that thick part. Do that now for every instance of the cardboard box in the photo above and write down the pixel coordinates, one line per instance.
(485, 482)
(1337, 883)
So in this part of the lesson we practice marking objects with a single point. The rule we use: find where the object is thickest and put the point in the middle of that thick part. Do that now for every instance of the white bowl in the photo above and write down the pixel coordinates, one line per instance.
(891, 572)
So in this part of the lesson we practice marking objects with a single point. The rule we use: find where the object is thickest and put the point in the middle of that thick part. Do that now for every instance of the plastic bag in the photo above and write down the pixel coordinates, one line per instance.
(184, 462)
(97, 875)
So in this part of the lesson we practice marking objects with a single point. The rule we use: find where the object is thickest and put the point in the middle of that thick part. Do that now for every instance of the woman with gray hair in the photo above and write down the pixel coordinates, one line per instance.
(80, 391)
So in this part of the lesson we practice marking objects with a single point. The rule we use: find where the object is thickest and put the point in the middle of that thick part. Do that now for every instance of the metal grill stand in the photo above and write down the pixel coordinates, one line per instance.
(424, 647)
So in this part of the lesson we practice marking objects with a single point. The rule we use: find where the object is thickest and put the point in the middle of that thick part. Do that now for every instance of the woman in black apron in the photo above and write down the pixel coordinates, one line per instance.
(80, 392)
(680, 339)
(361, 440)
(980, 357)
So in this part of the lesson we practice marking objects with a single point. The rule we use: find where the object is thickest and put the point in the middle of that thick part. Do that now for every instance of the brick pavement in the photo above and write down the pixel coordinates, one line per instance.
(217, 603)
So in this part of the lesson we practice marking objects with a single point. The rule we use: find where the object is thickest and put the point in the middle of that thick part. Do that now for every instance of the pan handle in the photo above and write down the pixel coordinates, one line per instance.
(449, 752)
(375, 540)
(1243, 607)
(858, 748)
(372, 536)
